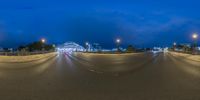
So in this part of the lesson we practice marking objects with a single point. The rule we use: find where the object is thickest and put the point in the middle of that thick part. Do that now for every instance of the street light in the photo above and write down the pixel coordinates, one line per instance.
(43, 40)
(195, 37)
(86, 43)
(174, 43)
(54, 47)
(174, 46)
(118, 43)
(87, 46)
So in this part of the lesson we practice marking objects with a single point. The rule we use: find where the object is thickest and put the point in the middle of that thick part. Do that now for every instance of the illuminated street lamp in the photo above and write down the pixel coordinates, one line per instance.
(195, 37)
(86, 43)
(43, 40)
(87, 46)
(174, 44)
(54, 47)
(118, 41)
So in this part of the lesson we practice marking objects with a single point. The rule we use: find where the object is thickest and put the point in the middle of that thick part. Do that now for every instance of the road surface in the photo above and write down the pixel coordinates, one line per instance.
(143, 76)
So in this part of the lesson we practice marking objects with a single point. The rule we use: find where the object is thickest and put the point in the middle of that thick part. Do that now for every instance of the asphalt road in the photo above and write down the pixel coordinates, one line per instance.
(142, 76)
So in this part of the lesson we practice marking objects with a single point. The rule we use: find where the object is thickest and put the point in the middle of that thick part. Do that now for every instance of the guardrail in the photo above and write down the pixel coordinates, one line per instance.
(23, 53)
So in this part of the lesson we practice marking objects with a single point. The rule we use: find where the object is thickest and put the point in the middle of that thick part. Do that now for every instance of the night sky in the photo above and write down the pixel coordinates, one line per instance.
(138, 22)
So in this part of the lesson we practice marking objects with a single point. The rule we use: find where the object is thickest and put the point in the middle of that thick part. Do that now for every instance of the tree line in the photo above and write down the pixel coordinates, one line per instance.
(37, 46)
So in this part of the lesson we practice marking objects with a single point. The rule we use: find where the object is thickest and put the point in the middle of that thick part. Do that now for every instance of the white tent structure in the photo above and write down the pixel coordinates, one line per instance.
(70, 47)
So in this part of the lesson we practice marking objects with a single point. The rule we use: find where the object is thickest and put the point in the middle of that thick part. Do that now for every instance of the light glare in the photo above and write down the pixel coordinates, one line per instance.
(194, 36)
(43, 40)
(118, 40)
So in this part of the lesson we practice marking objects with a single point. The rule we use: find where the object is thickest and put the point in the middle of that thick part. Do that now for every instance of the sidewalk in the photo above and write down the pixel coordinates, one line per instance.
(186, 56)
(21, 59)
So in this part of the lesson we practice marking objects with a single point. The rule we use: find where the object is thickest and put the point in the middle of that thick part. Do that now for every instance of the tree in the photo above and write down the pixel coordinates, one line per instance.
(21, 47)
(37, 46)
(49, 47)
(130, 49)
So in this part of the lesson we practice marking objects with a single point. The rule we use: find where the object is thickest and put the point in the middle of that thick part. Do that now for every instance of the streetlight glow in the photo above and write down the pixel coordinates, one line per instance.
(43, 40)
(118, 40)
(87, 46)
(195, 36)
(174, 43)
(87, 43)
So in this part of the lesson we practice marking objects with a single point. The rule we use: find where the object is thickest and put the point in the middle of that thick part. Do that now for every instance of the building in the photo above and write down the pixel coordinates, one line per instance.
(183, 47)
(70, 47)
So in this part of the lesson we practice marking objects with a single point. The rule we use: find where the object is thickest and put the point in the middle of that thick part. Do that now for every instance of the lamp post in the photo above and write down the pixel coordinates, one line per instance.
(54, 46)
(87, 46)
(195, 37)
(174, 44)
(118, 41)
(43, 42)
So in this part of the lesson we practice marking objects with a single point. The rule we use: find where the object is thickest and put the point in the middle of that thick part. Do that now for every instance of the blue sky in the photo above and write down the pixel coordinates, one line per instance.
(137, 22)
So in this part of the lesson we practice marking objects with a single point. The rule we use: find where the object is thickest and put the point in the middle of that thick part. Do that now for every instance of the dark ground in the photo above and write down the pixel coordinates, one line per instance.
(143, 76)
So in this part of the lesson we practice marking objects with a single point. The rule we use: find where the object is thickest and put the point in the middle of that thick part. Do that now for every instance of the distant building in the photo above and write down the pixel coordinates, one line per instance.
(106, 50)
(186, 44)
(116, 49)
(70, 47)
(183, 47)
(157, 49)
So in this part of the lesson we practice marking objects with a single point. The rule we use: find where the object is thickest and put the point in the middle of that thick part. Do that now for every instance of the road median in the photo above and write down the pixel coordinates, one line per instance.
(29, 58)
